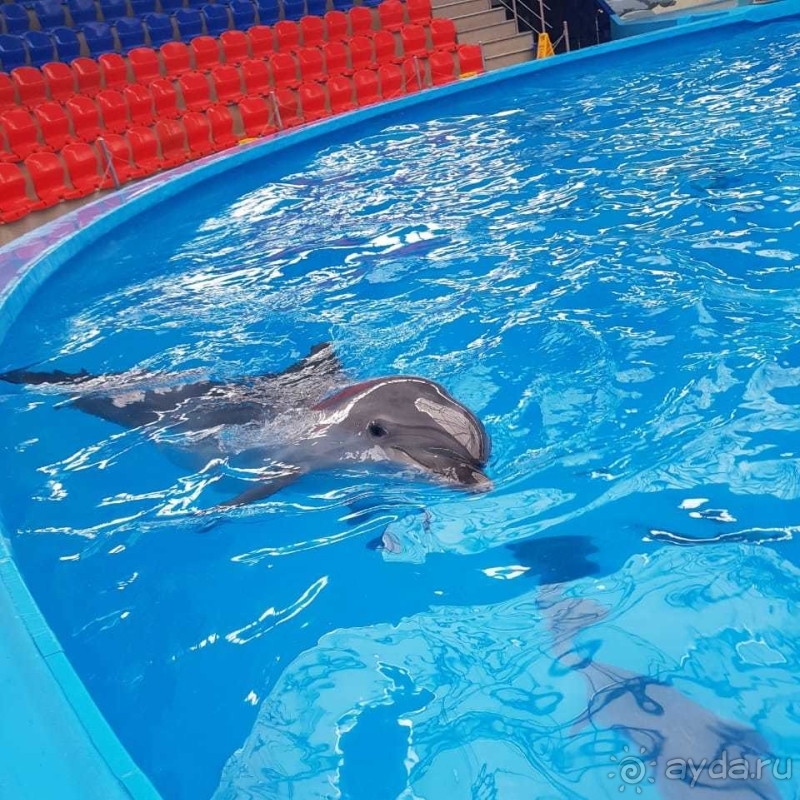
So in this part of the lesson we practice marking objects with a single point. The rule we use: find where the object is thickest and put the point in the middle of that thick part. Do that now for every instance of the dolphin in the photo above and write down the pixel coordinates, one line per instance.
(284, 425)
(683, 748)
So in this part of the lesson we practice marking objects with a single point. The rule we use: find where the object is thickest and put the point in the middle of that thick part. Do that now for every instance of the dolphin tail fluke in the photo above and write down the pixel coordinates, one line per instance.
(25, 377)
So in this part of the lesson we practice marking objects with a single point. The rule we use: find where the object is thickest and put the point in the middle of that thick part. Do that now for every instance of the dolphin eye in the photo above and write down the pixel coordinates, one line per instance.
(376, 429)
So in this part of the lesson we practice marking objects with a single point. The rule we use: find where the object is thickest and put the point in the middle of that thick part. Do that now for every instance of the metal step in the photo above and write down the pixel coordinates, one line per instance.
(508, 44)
(491, 33)
(481, 19)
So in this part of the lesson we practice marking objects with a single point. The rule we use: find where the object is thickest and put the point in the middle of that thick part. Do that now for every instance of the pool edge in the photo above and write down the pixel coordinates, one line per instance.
(24, 265)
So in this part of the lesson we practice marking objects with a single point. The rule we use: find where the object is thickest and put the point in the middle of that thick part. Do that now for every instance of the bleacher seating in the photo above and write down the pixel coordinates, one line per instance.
(149, 101)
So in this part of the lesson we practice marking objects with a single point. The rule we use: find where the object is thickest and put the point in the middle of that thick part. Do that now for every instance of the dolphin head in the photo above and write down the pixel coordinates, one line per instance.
(414, 422)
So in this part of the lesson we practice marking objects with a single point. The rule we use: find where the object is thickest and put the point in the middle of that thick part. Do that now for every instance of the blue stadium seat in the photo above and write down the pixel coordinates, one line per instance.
(15, 17)
(113, 9)
(49, 13)
(130, 32)
(40, 47)
(190, 23)
(142, 7)
(82, 11)
(216, 18)
(12, 52)
(317, 8)
(269, 11)
(342, 5)
(99, 38)
(370, 3)
(159, 27)
(294, 9)
(244, 14)
(68, 45)
(171, 5)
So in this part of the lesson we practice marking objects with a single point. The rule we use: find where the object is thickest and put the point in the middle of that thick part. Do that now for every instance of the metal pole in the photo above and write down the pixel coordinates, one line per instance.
(566, 34)
(109, 163)
(541, 16)
(515, 12)
(277, 111)
(483, 63)
(416, 69)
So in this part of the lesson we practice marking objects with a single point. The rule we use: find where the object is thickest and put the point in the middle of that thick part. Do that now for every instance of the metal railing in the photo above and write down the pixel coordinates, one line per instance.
(536, 17)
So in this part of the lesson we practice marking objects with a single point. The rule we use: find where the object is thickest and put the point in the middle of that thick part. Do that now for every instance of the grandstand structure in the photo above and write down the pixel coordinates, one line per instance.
(96, 93)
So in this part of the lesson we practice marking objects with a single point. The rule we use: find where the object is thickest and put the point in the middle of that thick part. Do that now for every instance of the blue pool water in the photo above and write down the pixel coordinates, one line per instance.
(602, 264)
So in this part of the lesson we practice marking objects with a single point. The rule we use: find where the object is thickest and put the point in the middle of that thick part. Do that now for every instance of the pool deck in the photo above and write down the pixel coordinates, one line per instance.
(55, 743)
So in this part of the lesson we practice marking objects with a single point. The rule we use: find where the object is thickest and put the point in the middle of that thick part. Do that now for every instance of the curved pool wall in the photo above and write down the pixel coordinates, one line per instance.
(55, 741)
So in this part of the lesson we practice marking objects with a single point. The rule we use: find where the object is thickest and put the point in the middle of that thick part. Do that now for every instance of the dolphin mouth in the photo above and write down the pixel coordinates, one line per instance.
(452, 467)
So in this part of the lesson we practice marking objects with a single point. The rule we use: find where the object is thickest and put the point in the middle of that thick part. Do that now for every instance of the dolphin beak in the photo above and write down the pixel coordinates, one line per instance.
(453, 468)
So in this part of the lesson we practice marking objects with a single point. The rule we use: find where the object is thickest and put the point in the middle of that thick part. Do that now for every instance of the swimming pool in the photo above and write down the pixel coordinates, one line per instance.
(606, 277)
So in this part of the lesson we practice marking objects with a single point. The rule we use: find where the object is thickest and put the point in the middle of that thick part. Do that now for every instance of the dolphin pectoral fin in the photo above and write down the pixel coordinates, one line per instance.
(262, 490)
(25, 377)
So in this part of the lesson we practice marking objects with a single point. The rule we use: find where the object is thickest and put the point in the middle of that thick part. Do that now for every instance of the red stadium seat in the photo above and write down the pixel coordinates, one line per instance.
(221, 123)
(14, 200)
(392, 15)
(30, 85)
(145, 65)
(256, 77)
(60, 80)
(114, 69)
(8, 93)
(140, 104)
(198, 134)
(361, 22)
(54, 124)
(81, 161)
(413, 75)
(172, 138)
(119, 149)
(176, 58)
(312, 31)
(312, 64)
(21, 132)
(144, 150)
(391, 80)
(470, 59)
(443, 34)
(361, 53)
(284, 70)
(313, 102)
(385, 48)
(419, 11)
(235, 46)
(336, 59)
(287, 34)
(336, 25)
(113, 110)
(196, 91)
(288, 110)
(261, 41)
(227, 83)
(443, 68)
(340, 93)
(84, 116)
(165, 99)
(87, 75)
(205, 51)
(414, 40)
(49, 180)
(366, 83)
(257, 117)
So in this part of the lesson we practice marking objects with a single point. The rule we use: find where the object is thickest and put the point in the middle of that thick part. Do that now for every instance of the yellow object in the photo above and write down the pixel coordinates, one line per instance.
(545, 47)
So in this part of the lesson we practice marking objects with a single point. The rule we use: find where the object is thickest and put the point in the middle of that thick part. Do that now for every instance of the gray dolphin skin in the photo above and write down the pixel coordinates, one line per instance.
(283, 425)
